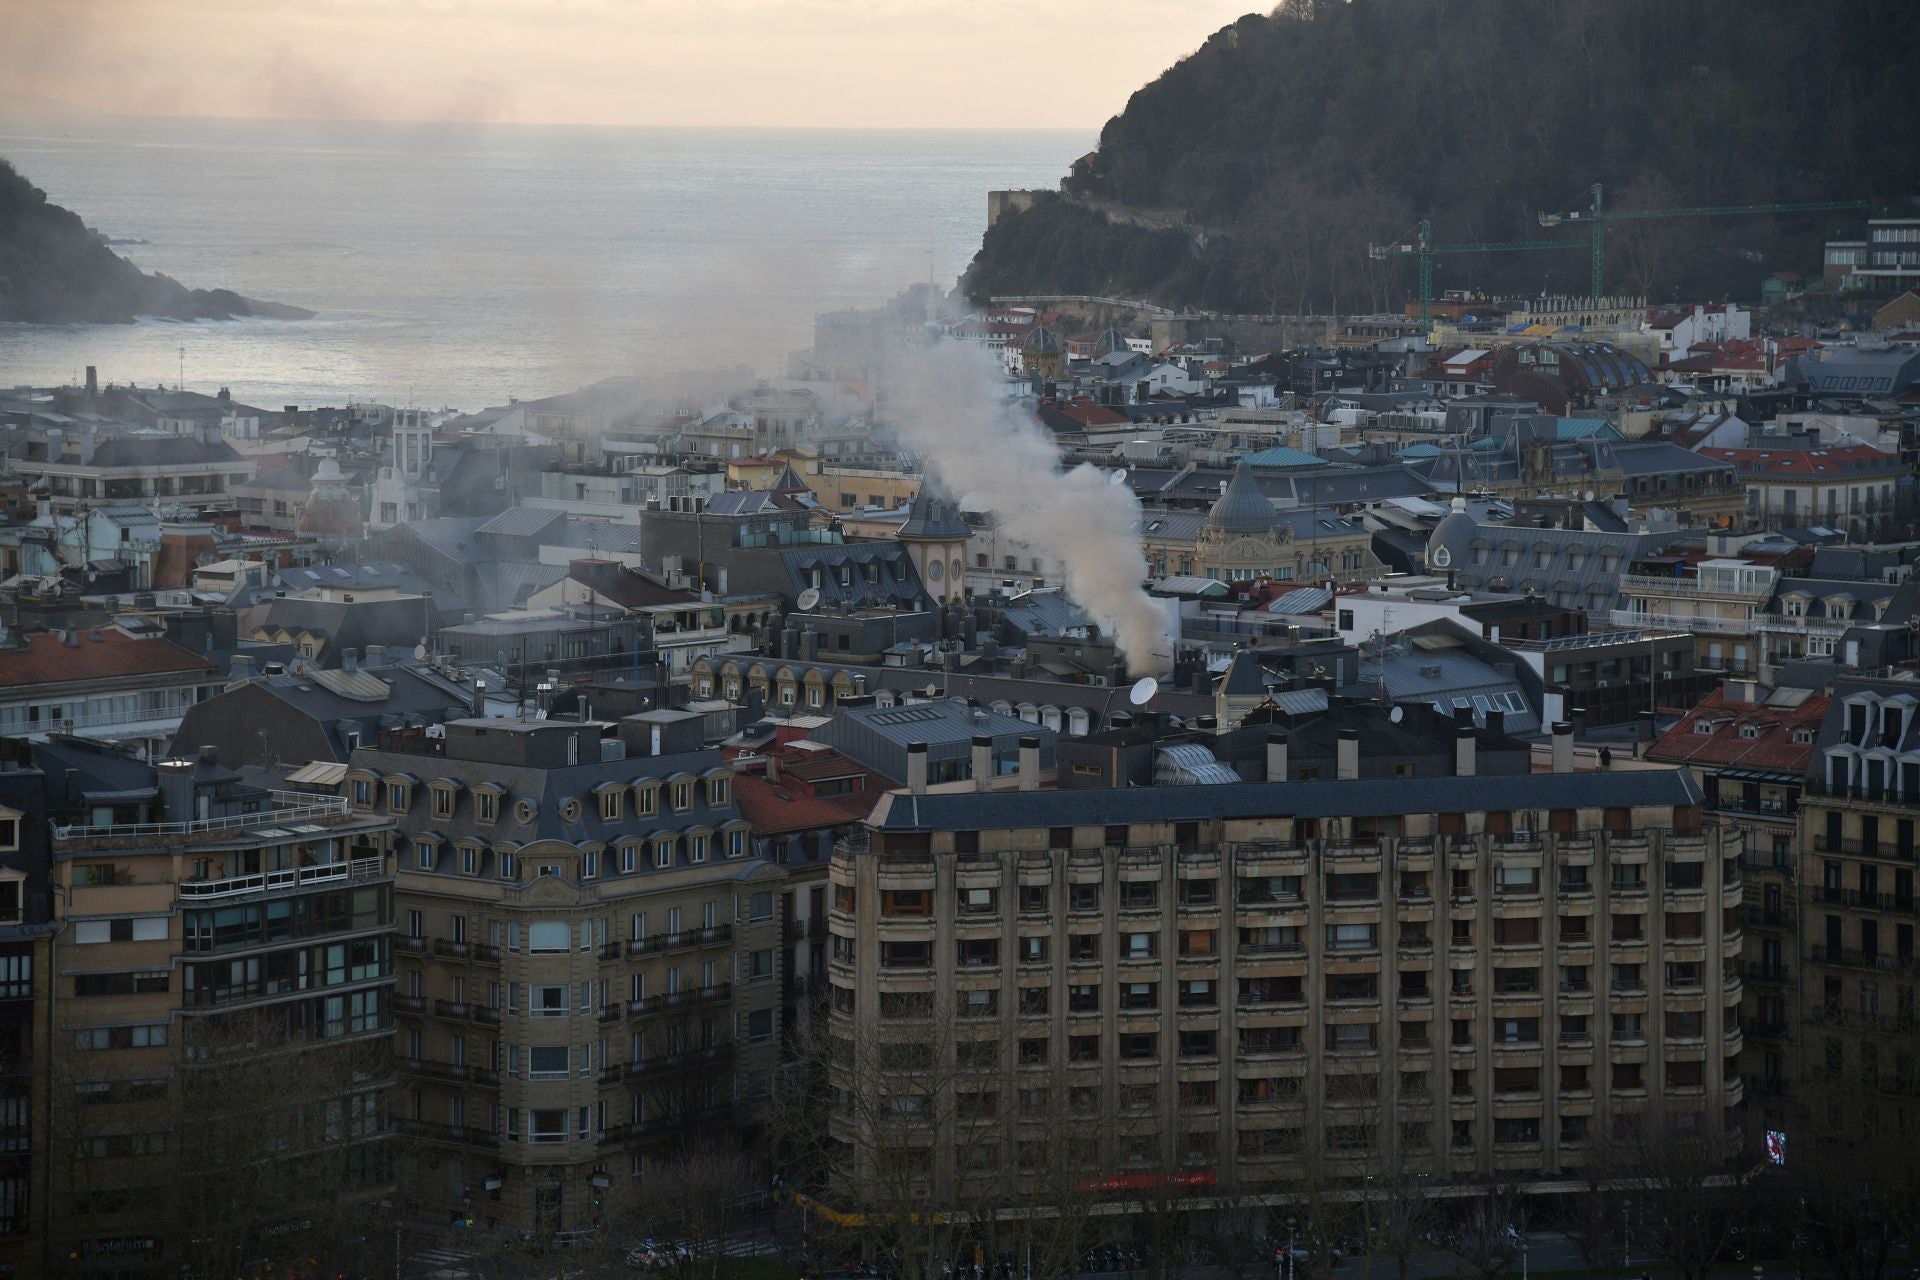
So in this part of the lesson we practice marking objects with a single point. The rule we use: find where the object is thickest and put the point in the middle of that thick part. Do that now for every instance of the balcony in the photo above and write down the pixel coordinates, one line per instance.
(357, 870)
(670, 1001)
(285, 806)
(457, 1135)
(1854, 958)
(673, 1063)
(1649, 584)
(664, 942)
(1682, 622)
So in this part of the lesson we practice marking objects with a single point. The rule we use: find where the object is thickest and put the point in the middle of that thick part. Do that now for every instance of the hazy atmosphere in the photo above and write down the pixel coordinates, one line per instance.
(798, 63)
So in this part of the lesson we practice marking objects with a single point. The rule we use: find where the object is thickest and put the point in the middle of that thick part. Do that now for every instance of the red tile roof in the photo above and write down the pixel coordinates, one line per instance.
(790, 805)
(46, 659)
(1727, 747)
(1836, 462)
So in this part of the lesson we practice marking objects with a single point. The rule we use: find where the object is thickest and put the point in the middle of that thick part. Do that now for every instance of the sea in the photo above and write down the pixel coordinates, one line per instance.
(455, 266)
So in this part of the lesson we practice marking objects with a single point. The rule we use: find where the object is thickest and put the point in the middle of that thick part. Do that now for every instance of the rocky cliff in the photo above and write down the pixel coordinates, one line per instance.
(55, 270)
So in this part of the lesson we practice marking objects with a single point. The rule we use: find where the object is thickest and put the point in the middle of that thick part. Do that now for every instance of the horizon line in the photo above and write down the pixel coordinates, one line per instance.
(59, 106)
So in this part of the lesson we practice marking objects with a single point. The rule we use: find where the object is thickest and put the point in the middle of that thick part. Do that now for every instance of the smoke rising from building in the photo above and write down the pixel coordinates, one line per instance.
(947, 406)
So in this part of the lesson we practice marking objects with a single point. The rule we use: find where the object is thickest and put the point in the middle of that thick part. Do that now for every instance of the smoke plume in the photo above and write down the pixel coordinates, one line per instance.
(948, 404)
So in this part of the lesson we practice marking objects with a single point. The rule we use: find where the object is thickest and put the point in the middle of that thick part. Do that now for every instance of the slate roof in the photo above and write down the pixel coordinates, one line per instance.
(934, 515)
(549, 788)
(1284, 457)
(1242, 508)
(975, 811)
(522, 522)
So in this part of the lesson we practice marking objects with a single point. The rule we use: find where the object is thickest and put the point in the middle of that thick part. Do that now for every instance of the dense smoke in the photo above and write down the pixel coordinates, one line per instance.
(948, 406)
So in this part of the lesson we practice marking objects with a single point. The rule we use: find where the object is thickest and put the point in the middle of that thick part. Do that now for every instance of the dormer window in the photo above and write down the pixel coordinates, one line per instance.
(362, 791)
(1749, 731)
(509, 867)
(444, 793)
(469, 860)
(1705, 728)
(9, 830)
(736, 843)
(611, 803)
(697, 848)
(663, 853)
(486, 806)
(589, 864)
(397, 798)
(628, 857)
(682, 796)
(646, 800)
(1803, 736)
(719, 791)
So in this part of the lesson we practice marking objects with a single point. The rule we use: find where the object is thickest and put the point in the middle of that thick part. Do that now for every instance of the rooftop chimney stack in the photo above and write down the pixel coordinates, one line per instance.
(1563, 747)
(982, 761)
(917, 768)
(1464, 751)
(1029, 763)
(93, 382)
(1276, 757)
(1347, 759)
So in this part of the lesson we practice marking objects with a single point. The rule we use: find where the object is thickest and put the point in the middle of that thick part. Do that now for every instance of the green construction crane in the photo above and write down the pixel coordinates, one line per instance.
(1422, 247)
(1599, 216)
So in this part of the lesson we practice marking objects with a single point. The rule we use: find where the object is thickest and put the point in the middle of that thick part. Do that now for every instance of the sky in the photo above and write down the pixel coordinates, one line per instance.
(741, 63)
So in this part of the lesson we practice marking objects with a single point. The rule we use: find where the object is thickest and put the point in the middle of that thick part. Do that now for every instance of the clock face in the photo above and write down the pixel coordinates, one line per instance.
(1441, 557)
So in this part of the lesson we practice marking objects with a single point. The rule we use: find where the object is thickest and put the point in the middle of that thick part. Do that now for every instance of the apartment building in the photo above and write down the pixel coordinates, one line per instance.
(1471, 977)
(1750, 749)
(1858, 815)
(221, 988)
(589, 962)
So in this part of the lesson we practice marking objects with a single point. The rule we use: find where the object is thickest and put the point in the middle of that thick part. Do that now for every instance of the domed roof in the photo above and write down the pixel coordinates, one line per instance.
(1041, 341)
(1452, 538)
(331, 510)
(934, 515)
(1111, 341)
(1242, 508)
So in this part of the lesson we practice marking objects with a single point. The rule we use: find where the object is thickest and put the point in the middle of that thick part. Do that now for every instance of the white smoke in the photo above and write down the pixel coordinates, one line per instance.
(949, 404)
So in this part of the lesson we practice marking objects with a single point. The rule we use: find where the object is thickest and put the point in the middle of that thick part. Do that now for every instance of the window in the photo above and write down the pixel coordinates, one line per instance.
(510, 867)
(549, 935)
(547, 1062)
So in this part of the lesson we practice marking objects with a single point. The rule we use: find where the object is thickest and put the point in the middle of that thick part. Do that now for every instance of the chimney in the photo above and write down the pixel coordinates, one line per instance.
(1464, 748)
(93, 382)
(1496, 721)
(1563, 747)
(917, 768)
(209, 754)
(809, 644)
(349, 660)
(175, 779)
(773, 764)
(982, 761)
(241, 668)
(376, 655)
(1276, 757)
(1347, 759)
(1029, 763)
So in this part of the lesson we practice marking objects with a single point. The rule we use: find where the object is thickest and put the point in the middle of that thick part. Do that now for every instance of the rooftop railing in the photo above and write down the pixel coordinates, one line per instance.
(287, 806)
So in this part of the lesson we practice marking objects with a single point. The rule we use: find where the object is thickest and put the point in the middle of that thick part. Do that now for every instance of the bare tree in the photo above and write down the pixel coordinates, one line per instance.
(1484, 1237)
(692, 1205)
(1679, 1166)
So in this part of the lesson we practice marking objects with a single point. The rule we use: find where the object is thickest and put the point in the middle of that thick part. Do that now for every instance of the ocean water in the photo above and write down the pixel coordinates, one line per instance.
(456, 265)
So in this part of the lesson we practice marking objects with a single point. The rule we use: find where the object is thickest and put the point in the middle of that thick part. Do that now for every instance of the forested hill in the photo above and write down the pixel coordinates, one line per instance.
(1290, 141)
(54, 270)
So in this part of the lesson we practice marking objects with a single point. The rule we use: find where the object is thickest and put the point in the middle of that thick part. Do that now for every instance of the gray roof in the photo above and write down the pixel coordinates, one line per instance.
(549, 788)
(942, 720)
(934, 514)
(1242, 508)
(522, 522)
(973, 811)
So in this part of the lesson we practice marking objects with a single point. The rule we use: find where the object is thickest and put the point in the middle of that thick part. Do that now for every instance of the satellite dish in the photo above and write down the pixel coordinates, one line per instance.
(1397, 714)
(809, 600)
(1118, 478)
(419, 651)
(1143, 691)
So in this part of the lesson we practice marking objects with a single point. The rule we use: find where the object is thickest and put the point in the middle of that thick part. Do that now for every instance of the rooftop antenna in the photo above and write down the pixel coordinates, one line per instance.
(181, 383)
(809, 600)
(1144, 690)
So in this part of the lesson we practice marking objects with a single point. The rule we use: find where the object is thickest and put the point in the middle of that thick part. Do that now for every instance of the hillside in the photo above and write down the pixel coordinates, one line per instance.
(54, 270)
(1292, 140)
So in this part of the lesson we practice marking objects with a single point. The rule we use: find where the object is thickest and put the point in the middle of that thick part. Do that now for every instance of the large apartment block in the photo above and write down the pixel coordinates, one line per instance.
(1471, 976)
(589, 961)
(221, 986)
(1857, 909)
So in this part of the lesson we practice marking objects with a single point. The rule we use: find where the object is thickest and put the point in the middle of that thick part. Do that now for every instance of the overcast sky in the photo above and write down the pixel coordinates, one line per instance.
(808, 63)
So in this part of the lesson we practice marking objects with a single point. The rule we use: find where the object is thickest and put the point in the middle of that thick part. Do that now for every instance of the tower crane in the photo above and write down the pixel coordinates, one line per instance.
(1422, 247)
(1598, 216)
